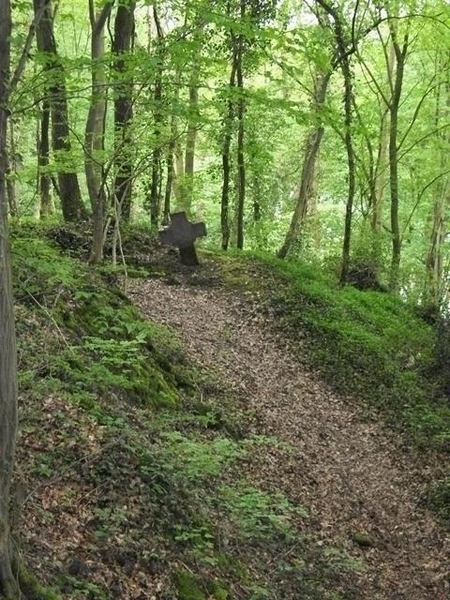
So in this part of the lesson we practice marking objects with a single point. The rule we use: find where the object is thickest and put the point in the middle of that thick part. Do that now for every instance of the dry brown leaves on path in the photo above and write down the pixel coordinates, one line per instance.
(349, 473)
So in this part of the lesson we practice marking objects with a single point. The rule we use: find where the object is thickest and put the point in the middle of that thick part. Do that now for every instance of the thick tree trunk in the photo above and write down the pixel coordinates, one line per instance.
(123, 106)
(311, 152)
(71, 203)
(8, 365)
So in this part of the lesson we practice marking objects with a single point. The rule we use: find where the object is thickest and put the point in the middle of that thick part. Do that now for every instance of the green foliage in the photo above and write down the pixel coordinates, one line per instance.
(259, 515)
(438, 496)
(102, 342)
(32, 589)
(204, 458)
(189, 587)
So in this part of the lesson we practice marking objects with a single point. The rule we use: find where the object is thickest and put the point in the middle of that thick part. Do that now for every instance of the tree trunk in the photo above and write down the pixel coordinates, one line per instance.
(95, 131)
(8, 362)
(310, 155)
(123, 106)
(433, 295)
(240, 137)
(400, 55)
(381, 168)
(342, 58)
(187, 182)
(71, 203)
(348, 92)
(46, 204)
(155, 187)
(226, 160)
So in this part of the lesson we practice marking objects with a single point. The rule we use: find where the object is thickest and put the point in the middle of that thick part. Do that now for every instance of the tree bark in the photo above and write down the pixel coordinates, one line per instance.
(434, 285)
(71, 202)
(311, 152)
(240, 113)
(226, 159)
(8, 362)
(11, 172)
(187, 181)
(342, 58)
(400, 56)
(123, 106)
(155, 186)
(381, 168)
(46, 204)
(95, 130)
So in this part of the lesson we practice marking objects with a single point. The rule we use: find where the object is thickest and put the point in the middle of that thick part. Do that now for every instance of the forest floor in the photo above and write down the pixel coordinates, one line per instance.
(359, 485)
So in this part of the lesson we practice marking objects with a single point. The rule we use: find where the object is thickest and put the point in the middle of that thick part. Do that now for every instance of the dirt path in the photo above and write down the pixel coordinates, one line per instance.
(346, 471)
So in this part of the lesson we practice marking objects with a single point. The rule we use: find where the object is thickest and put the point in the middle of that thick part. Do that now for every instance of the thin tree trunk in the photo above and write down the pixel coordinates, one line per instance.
(170, 174)
(187, 188)
(187, 182)
(94, 133)
(348, 92)
(226, 161)
(71, 203)
(46, 204)
(155, 188)
(8, 361)
(240, 137)
(381, 169)
(343, 60)
(310, 155)
(123, 106)
(434, 259)
(11, 172)
(240, 146)
(400, 55)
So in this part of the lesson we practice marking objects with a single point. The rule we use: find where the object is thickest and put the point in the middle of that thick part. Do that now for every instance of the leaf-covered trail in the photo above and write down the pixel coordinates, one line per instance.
(345, 470)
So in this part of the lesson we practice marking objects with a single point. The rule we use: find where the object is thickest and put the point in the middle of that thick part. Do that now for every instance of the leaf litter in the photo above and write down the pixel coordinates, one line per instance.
(89, 515)
(360, 488)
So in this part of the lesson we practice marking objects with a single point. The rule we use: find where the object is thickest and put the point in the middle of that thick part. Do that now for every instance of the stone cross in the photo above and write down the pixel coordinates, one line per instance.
(182, 233)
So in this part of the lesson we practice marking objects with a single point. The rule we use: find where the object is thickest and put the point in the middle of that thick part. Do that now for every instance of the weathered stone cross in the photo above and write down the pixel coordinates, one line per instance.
(182, 233)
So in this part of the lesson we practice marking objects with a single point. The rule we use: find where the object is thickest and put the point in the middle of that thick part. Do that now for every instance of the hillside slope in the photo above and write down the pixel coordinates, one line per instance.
(189, 452)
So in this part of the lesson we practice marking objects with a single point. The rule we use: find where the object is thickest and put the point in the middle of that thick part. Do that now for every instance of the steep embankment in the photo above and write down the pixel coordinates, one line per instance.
(361, 492)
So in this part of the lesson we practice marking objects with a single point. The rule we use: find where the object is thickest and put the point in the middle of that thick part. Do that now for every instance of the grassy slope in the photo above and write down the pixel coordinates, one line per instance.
(129, 455)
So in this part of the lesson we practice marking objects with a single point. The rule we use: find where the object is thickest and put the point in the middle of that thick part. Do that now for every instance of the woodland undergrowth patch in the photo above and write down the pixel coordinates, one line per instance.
(130, 478)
